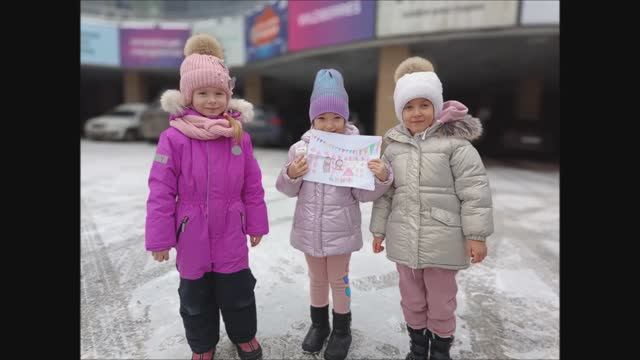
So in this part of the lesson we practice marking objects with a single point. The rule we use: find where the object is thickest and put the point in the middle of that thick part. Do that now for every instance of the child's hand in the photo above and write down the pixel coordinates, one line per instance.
(476, 250)
(377, 244)
(160, 255)
(379, 169)
(298, 167)
(255, 240)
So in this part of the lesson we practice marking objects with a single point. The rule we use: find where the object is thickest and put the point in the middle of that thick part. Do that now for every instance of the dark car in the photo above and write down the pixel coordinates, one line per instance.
(529, 138)
(267, 128)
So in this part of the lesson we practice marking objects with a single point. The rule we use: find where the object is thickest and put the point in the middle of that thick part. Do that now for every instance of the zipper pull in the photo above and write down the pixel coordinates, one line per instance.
(183, 224)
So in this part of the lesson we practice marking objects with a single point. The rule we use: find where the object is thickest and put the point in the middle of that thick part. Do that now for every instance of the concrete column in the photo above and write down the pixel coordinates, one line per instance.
(390, 57)
(529, 99)
(253, 88)
(134, 87)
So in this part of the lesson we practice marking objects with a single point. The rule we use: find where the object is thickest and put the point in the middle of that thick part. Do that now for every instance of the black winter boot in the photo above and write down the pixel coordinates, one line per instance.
(318, 331)
(440, 347)
(340, 339)
(419, 349)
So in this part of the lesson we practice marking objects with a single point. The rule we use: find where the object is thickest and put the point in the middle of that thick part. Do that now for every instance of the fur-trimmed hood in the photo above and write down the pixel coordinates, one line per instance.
(454, 122)
(172, 102)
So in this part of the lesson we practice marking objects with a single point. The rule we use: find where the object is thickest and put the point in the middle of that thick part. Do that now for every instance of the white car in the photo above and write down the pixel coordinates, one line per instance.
(121, 123)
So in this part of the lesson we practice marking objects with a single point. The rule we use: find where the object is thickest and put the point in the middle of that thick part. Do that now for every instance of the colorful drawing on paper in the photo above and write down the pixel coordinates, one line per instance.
(341, 160)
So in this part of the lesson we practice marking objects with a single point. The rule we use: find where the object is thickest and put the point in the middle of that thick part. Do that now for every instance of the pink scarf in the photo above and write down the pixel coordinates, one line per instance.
(196, 126)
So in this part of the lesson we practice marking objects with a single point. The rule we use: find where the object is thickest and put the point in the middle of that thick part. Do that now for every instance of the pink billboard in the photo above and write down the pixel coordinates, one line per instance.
(315, 24)
(152, 48)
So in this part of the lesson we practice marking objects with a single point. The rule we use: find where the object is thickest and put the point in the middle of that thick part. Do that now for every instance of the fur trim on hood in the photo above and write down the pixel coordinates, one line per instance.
(468, 127)
(244, 107)
(457, 122)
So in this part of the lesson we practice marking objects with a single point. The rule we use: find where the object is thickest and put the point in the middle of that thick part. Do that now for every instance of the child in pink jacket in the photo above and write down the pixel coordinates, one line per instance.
(205, 197)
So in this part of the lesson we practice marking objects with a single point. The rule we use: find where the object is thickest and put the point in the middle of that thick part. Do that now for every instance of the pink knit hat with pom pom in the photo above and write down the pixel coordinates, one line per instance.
(203, 67)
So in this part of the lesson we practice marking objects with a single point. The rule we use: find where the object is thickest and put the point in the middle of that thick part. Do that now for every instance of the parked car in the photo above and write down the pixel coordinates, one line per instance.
(267, 128)
(153, 122)
(529, 138)
(121, 123)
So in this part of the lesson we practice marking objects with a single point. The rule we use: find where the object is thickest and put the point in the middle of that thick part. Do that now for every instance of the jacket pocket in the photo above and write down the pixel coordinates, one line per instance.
(446, 217)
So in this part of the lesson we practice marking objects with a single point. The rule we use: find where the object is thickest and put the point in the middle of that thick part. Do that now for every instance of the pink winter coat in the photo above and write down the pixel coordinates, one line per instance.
(205, 197)
(327, 219)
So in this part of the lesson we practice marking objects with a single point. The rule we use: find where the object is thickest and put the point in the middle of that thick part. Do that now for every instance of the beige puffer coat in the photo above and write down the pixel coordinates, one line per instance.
(440, 196)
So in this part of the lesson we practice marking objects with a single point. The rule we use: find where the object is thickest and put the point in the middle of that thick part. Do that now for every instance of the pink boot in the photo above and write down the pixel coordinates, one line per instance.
(250, 350)
(204, 356)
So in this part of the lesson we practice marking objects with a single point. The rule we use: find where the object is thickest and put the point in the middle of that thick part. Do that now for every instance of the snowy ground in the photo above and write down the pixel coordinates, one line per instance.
(508, 306)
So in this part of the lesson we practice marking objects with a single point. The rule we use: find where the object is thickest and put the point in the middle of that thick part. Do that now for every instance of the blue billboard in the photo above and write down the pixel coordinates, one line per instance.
(99, 44)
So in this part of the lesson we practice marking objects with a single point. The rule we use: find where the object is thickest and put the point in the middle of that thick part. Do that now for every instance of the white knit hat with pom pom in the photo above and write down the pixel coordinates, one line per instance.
(415, 79)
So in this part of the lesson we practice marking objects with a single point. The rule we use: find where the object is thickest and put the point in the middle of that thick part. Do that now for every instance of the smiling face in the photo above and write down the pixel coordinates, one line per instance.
(329, 122)
(210, 101)
(417, 115)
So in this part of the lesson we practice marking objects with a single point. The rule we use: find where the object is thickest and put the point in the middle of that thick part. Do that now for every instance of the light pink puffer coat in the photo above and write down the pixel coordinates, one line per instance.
(327, 219)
